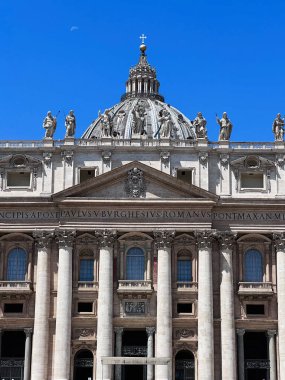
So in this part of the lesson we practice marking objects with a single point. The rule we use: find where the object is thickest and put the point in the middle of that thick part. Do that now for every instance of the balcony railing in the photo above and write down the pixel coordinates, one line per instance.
(257, 364)
(134, 351)
(88, 285)
(135, 285)
(15, 286)
(263, 288)
(187, 285)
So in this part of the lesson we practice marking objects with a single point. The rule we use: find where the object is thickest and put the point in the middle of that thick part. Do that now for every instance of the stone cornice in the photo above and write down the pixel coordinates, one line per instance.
(205, 238)
(105, 238)
(279, 241)
(226, 239)
(163, 238)
(43, 238)
(65, 238)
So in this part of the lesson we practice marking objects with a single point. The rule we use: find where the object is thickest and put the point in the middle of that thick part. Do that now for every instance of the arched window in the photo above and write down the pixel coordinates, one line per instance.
(86, 271)
(17, 265)
(135, 264)
(253, 266)
(184, 365)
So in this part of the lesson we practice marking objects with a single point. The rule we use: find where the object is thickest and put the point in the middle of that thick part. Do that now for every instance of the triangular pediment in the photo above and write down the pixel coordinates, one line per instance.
(135, 181)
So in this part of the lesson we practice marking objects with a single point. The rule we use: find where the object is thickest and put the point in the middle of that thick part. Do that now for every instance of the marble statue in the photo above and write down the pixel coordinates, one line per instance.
(225, 127)
(118, 127)
(49, 124)
(70, 124)
(278, 127)
(106, 124)
(139, 119)
(166, 123)
(199, 124)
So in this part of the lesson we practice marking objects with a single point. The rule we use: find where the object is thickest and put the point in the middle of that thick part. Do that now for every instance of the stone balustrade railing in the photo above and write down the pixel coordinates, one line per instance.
(89, 285)
(255, 287)
(134, 351)
(187, 285)
(257, 364)
(18, 286)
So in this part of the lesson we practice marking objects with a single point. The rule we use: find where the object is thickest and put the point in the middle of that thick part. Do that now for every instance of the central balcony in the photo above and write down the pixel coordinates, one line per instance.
(135, 286)
(88, 285)
(255, 289)
(188, 286)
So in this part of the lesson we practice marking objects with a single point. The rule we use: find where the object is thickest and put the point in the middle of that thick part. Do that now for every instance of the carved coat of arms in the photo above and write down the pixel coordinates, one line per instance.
(135, 183)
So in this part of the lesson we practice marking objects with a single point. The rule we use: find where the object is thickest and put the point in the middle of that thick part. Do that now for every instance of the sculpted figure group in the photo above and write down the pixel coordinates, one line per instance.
(50, 123)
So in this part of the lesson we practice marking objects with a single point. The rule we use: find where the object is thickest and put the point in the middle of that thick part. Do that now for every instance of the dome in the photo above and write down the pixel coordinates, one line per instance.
(142, 111)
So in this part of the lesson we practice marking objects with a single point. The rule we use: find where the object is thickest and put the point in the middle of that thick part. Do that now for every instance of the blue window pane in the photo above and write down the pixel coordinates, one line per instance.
(86, 272)
(253, 266)
(135, 264)
(184, 270)
(17, 265)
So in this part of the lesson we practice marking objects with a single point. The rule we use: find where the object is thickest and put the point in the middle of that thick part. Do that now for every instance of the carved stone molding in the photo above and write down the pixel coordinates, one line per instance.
(204, 238)
(184, 333)
(163, 238)
(84, 333)
(106, 157)
(224, 160)
(203, 158)
(105, 238)
(43, 238)
(135, 184)
(67, 156)
(150, 330)
(279, 241)
(226, 239)
(47, 158)
(165, 156)
(65, 238)
(280, 160)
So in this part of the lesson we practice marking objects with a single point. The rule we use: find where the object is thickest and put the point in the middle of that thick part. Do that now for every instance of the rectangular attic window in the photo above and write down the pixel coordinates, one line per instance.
(185, 175)
(86, 174)
(18, 179)
(251, 180)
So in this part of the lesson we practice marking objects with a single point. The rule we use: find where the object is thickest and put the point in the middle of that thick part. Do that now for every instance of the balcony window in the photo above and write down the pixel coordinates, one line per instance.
(184, 270)
(135, 264)
(253, 266)
(17, 265)
(86, 272)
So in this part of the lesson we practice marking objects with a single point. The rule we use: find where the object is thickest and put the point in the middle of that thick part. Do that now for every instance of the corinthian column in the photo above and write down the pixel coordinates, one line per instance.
(39, 369)
(205, 306)
(150, 331)
(105, 240)
(228, 335)
(163, 241)
(280, 254)
(63, 306)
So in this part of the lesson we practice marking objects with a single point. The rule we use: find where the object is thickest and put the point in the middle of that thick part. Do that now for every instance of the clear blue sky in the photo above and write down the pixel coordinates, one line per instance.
(210, 55)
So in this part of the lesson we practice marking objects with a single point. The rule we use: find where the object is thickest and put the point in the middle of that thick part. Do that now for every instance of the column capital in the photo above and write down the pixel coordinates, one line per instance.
(240, 332)
(226, 239)
(119, 330)
(279, 241)
(28, 331)
(204, 238)
(65, 238)
(150, 330)
(163, 238)
(105, 238)
(43, 238)
(271, 333)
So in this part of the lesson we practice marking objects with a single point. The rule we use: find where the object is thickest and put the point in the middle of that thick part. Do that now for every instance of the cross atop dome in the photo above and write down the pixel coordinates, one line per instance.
(143, 37)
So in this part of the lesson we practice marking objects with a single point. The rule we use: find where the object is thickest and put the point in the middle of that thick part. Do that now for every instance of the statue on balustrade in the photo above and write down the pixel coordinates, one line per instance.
(119, 126)
(106, 123)
(49, 124)
(139, 119)
(166, 124)
(225, 127)
(70, 124)
(278, 127)
(199, 124)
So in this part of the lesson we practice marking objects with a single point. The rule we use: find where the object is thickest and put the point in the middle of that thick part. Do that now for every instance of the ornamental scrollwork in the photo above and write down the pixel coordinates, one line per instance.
(65, 238)
(163, 238)
(68, 156)
(105, 238)
(203, 158)
(279, 241)
(205, 238)
(84, 333)
(185, 333)
(135, 184)
(226, 239)
(43, 238)
(224, 160)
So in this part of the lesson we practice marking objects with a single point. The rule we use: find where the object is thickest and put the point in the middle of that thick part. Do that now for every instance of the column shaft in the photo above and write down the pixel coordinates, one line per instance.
(272, 354)
(228, 335)
(28, 352)
(39, 370)
(150, 331)
(105, 303)
(119, 336)
(240, 333)
(205, 308)
(63, 308)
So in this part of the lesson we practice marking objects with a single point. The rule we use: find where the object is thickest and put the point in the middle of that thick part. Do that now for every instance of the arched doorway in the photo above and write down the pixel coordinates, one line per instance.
(83, 365)
(184, 365)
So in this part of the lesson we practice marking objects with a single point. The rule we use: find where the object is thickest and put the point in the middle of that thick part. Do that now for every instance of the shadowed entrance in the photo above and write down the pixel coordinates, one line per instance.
(83, 365)
(134, 344)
